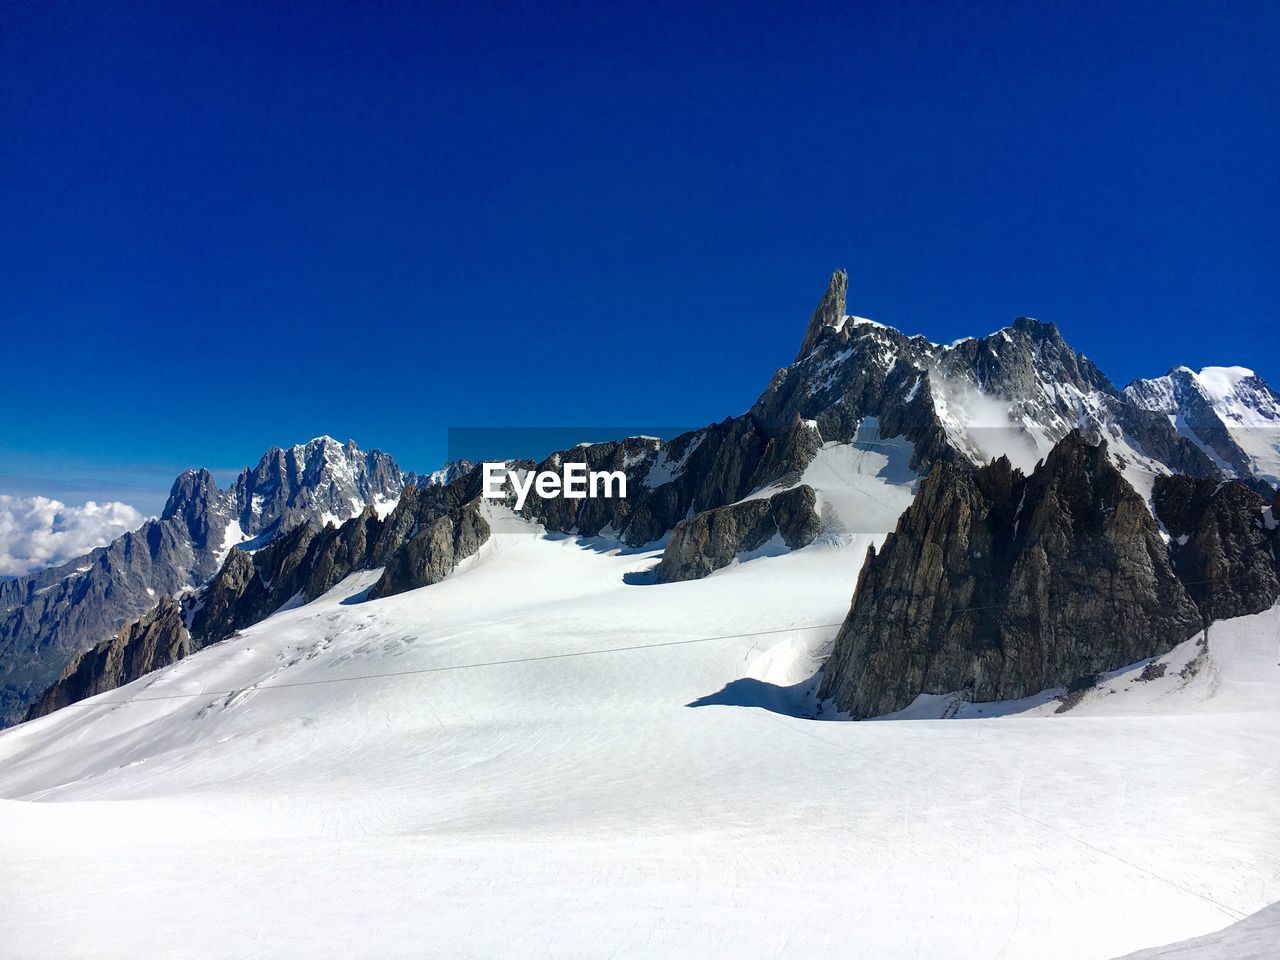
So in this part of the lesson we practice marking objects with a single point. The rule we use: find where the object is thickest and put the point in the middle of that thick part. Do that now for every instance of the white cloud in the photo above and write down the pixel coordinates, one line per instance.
(37, 532)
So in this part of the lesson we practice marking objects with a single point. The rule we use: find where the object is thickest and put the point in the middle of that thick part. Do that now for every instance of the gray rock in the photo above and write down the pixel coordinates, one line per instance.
(1000, 585)
(1222, 550)
(712, 539)
(829, 313)
(420, 542)
(795, 512)
(157, 639)
(434, 552)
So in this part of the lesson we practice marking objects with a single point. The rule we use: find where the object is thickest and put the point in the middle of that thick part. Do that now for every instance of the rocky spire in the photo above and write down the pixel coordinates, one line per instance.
(191, 489)
(829, 313)
(196, 501)
(997, 585)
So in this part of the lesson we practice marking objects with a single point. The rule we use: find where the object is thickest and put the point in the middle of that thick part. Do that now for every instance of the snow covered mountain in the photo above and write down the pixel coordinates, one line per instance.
(1228, 412)
(50, 616)
(595, 725)
(450, 472)
(1014, 393)
(797, 465)
(547, 752)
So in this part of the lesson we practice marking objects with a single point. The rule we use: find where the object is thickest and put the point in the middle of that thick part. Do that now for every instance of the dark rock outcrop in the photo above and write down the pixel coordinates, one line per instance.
(712, 539)
(157, 639)
(852, 369)
(828, 313)
(432, 555)
(999, 585)
(795, 513)
(310, 481)
(1222, 548)
(667, 481)
(57, 614)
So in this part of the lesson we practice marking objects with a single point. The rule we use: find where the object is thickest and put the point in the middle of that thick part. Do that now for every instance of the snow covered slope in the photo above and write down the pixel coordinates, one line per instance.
(1253, 938)
(49, 617)
(1229, 412)
(549, 755)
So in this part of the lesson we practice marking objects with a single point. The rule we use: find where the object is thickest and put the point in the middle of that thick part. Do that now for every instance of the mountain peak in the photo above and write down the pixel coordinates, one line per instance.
(828, 313)
(1040, 329)
(1229, 412)
(190, 486)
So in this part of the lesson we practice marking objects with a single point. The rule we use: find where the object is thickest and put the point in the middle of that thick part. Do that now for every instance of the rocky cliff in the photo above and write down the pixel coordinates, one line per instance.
(420, 542)
(1223, 547)
(714, 538)
(998, 585)
(155, 640)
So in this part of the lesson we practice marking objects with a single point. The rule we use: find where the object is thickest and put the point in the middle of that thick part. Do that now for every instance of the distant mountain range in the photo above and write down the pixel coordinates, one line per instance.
(1020, 397)
(48, 617)
(1228, 412)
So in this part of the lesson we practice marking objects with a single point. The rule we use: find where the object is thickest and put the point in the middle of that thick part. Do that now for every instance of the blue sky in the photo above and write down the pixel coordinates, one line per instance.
(227, 226)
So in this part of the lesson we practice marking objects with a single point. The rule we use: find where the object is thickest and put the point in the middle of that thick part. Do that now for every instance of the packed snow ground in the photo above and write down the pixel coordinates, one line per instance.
(503, 790)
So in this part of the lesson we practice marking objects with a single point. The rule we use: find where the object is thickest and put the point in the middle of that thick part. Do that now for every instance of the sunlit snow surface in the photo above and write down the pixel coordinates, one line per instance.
(579, 807)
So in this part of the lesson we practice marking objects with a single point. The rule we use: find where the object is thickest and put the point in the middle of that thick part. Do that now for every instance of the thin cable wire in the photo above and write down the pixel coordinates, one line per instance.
(448, 667)
(543, 657)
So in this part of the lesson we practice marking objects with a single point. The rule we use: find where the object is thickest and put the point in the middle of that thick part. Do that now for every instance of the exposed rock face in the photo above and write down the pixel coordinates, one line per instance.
(50, 616)
(419, 543)
(1016, 392)
(1000, 585)
(712, 539)
(852, 374)
(321, 479)
(667, 481)
(432, 555)
(196, 500)
(829, 312)
(1222, 548)
(795, 512)
(157, 639)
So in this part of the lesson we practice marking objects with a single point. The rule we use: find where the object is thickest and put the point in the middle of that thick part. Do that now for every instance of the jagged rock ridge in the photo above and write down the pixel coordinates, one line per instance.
(998, 585)
(714, 538)
(48, 617)
(157, 639)
(1224, 543)
(418, 543)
